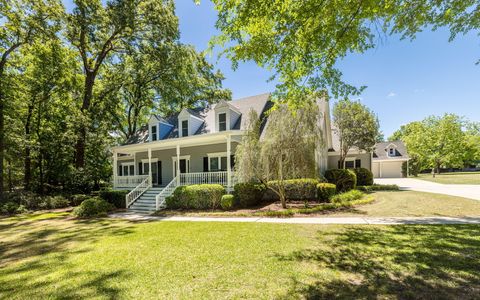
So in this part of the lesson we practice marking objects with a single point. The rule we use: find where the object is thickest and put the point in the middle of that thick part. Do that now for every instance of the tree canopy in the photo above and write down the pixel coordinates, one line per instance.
(302, 41)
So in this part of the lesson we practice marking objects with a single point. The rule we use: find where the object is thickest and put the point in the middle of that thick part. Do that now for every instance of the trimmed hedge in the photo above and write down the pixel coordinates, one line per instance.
(11, 208)
(364, 176)
(77, 199)
(343, 179)
(114, 197)
(198, 196)
(296, 189)
(378, 187)
(325, 191)
(248, 194)
(227, 202)
(93, 207)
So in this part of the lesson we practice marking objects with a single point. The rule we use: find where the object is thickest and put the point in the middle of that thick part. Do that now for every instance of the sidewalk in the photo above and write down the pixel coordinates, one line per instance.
(306, 220)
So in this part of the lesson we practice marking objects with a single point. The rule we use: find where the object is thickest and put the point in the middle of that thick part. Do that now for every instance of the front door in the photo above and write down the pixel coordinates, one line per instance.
(183, 166)
(156, 171)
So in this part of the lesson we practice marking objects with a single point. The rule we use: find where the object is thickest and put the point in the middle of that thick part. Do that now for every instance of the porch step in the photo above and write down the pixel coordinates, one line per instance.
(146, 203)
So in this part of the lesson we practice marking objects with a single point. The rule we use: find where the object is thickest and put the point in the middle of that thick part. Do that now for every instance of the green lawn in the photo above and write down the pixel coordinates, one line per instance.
(414, 204)
(453, 178)
(53, 256)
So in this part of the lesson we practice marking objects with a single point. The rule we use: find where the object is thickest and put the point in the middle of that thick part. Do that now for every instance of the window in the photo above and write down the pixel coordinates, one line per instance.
(350, 164)
(185, 128)
(391, 152)
(154, 133)
(222, 122)
(217, 163)
(127, 170)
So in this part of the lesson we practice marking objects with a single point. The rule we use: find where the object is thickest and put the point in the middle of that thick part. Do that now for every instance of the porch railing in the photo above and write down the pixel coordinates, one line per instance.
(166, 192)
(138, 191)
(204, 177)
(129, 181)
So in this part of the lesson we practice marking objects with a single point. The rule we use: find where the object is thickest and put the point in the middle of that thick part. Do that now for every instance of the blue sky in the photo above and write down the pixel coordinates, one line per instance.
(406, 81)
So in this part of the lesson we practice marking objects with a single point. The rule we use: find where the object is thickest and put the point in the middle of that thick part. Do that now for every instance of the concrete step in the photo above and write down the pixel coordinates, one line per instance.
(143, 205)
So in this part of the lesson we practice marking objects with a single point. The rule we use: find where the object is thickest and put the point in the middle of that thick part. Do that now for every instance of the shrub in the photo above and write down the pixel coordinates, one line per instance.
(9, 208)
(114, 197)
(378, 187)
(296, 189)
(198, 196)
(344, 179)
(347, 196)
(93, 207)
(227, 202)
(28, 199)
(77, 199)
(364, 176)
(325, 191)
(57, 202)
(248, 193)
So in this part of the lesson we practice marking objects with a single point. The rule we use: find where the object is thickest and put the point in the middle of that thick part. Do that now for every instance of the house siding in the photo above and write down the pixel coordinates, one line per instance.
(365, 158)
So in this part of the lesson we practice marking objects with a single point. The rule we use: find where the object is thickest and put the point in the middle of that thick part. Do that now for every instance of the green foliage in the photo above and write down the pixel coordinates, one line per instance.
(347, 196)
(248, 194)
(343, 179)
(302, 41)
(117, 198)
(364, 176)
(296, 189)
(11, 208)
(77, 199)
(198, 196)
(435, 142)
(93, 207)
(325, 191)
(227, 202)
(356, 126)
(377, 187)
(56, 202)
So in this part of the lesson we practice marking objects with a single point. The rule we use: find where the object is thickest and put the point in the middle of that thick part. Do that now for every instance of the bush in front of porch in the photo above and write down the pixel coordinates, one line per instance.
(197, 196)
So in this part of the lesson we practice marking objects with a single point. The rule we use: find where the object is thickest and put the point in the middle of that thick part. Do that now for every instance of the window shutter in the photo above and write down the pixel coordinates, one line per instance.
(232, 161)
(338, 167)
(140, 168)
(358, 163)
(120, 169)
(205, 164)
(159, 172)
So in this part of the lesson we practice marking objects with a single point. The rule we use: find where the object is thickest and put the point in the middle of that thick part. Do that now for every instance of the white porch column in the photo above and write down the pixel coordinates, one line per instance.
(178, 165)
(229, 168)
(150, 164)
(135, 169)
(115, 168)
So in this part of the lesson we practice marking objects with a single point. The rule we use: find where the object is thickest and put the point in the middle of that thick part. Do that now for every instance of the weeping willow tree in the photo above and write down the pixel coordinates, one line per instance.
(287, 150)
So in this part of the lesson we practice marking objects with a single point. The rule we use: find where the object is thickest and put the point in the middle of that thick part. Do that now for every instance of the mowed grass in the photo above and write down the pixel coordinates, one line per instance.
(58, 257)
(414, 204)
(453, 178)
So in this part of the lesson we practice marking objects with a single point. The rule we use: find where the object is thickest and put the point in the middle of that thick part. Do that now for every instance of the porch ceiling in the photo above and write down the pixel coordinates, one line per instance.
(190, 141)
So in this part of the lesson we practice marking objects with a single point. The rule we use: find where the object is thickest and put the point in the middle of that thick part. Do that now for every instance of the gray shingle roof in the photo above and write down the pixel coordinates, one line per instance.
(381, 150)
(259, 103)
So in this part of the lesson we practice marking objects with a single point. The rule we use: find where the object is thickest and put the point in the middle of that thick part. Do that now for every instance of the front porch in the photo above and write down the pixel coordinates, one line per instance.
(195, 159)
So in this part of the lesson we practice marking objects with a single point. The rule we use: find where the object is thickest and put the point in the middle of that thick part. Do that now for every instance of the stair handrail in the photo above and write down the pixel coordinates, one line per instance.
(167, 191)
(138, 191)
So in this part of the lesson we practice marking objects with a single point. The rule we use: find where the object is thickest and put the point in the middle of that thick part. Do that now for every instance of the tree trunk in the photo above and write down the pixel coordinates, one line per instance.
(28, 159)
(2, 140)
(82, 131)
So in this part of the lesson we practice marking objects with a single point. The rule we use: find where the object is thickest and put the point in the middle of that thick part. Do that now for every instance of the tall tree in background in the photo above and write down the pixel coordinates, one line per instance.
(356, 126)
(301, 41)
(164, 78)
(99, 31)
(22, 22)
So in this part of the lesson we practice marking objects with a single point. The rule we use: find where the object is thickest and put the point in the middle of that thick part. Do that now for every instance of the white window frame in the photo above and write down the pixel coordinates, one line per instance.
(182, 129)
(226, 120)
(174, 163)
(354, 159)
(217, 155)
(391, 152)
(128, 165)
(154, 132)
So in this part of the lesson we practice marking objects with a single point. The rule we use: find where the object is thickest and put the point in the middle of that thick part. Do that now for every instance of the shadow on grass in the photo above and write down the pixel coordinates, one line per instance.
(404, 262)
(35, 254)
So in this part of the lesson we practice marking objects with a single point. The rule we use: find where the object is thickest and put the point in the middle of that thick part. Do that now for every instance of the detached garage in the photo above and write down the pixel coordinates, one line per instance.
(388, 159)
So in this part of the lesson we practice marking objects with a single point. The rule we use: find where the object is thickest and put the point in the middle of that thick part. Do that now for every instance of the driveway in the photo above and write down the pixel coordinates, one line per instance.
(410, 184)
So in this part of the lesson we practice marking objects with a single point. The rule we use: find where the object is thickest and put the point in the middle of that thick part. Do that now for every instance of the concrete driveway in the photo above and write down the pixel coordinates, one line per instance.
(410, 184)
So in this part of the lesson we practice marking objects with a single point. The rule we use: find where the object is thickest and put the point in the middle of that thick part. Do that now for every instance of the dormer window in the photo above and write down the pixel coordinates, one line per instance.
(391, 152)
(185, 128)
(154, 133)
(222, 122)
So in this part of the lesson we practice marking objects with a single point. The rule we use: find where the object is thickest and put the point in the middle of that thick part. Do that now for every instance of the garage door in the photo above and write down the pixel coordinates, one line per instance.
(388, 169)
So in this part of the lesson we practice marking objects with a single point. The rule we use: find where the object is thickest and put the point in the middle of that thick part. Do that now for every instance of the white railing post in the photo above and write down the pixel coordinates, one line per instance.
(178, 165)
(115, 168)
(229, 149)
